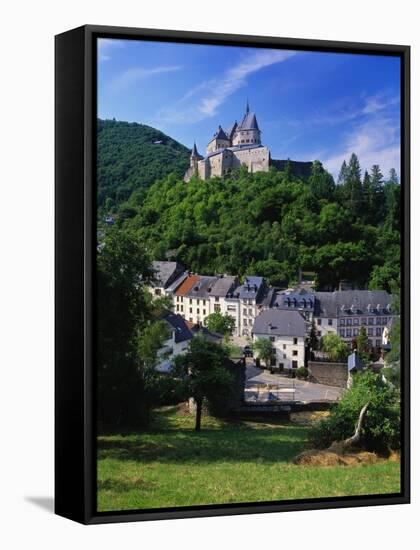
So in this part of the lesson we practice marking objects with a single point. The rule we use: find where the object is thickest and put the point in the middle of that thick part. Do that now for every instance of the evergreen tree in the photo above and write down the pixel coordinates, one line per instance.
(393, 178)
(342, 176)
(353, 185)
(362, 345)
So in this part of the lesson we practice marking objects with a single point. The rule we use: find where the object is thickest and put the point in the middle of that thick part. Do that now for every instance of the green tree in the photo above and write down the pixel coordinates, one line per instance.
(381, 426)
(204, 372)
(363, 346)
(150, 342)
(223, 323)
(123, 309)
(335, 347)
(313, 337)
(264, 349)
(353, 185)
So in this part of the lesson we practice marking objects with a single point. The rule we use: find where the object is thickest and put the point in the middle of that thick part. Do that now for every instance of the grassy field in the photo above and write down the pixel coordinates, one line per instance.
(171, 465)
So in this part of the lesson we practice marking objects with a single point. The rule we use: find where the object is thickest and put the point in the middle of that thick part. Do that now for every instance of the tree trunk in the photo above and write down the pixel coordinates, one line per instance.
(199, 405)
(355, 438)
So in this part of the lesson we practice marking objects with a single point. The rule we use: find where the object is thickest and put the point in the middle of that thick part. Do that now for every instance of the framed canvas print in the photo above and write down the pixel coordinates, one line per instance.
(232, 274)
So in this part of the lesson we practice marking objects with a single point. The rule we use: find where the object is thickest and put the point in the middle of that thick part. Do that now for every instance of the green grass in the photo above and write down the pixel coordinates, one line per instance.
(171, 465)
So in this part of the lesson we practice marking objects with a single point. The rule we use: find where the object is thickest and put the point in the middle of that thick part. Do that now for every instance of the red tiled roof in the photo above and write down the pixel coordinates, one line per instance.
(187, 285)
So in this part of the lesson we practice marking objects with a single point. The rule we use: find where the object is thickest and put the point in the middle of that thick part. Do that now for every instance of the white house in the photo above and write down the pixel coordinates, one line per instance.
(176, 343)
(286, 330)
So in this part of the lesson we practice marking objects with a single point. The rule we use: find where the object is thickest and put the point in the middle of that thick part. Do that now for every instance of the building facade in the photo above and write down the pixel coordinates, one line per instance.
(287, 332)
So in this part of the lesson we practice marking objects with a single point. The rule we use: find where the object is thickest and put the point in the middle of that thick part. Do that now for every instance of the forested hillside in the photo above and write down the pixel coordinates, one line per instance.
(274, 223)
(128, 159)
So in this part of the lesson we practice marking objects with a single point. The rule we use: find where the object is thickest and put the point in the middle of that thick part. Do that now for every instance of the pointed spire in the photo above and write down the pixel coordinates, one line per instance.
(194, 152)
(247, 105)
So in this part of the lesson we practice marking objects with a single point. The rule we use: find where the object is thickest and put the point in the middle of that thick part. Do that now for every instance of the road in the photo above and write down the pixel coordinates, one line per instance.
(263, 386)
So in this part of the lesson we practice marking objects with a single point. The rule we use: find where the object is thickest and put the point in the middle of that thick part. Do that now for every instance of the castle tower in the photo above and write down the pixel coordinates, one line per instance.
(247, 132)
(195, 157)
(219, 141)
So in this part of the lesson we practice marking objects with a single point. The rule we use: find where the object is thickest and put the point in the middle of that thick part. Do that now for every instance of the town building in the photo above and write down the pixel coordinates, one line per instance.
(287, 332)
(179, 338)
(165, 275)
(345, 311)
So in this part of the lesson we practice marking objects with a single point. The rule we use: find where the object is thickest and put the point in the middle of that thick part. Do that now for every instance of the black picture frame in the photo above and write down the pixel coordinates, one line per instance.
(75, 246)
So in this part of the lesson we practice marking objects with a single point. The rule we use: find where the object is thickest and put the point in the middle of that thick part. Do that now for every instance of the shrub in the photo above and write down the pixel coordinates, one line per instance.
(381, 427)
(302, 372)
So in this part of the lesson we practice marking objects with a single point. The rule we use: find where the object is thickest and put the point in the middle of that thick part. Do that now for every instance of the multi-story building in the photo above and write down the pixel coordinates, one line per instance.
(192, 298)
(177, 342)
(250, 296)
(345, 311)
(165, 275)
(287, 332)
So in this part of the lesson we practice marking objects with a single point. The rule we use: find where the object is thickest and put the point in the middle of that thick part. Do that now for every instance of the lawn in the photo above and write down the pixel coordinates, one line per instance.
(172, 465)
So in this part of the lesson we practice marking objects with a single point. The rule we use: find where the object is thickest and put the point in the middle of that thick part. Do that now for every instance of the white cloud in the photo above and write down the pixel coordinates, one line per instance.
(106, 45)
(128, 77)
(376, 141)
(379, 103)
(213, 93)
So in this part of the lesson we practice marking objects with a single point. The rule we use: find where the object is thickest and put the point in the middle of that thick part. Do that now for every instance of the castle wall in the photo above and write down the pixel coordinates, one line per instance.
(256, 160)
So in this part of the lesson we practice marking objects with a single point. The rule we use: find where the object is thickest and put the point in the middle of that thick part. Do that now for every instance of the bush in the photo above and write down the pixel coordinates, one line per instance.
(381, 427)
(302, 372)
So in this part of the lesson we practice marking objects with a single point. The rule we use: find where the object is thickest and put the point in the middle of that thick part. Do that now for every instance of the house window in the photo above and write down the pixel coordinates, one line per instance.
(198, 312)
(216, 299)
(330, 322)
(348, 332)
(190, 320)
(363, 320)
(348, 321)
(204, 302)
(217, 307)
(182, 308)
(204, 311)
(190, 300)
(318, 334)
(378, 320)
(284, 346)
(356, 321)
(295, 341)
(378, 331)
(378, 343)
(342, 332)
(284, 356)
(370, 331)
(319, 321)
(370, 321)
(342, 322)
(294, 352)
(158, 291)
(294, 364)
(245, 322)
(272, 339)
(177, 307)
(190, 309)
(355, 332)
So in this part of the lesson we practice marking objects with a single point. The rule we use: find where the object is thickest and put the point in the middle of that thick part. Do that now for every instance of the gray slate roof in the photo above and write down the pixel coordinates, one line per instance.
(340, 302)
(280, 322)
(299, 299)
(202, 288)
(220, 134)
(165, 272)
(222, 286)
(251, 289)
(182, 332)
(249, 122)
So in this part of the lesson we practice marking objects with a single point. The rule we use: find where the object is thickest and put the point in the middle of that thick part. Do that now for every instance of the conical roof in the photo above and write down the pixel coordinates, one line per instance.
(220, 134)
(194, 152)
(249, 122)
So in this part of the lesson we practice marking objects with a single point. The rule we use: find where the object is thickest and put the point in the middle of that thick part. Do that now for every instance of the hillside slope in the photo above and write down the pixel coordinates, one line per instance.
(128, 158)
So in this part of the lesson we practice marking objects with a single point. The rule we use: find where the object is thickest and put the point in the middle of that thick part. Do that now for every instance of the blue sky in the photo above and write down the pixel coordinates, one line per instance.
(309, 105)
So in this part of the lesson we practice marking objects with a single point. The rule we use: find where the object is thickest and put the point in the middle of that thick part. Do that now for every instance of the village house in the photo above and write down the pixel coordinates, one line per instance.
(287, 332)
(165, 275)
(179, 338)
(345, 311)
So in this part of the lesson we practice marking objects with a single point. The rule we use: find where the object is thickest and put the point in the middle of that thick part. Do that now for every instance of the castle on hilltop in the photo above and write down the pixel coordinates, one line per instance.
(231, 148)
